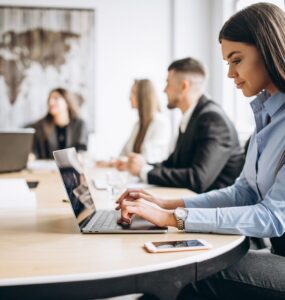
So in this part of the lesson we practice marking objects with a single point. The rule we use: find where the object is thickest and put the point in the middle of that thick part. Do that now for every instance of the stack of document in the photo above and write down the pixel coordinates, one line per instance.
(42, 164)
(16, 194)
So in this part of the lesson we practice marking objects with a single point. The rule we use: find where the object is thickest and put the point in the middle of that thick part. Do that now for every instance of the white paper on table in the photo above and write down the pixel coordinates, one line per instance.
(14, 193)
(42, 164)
(140, 185)
(135, 182)
(102, 184)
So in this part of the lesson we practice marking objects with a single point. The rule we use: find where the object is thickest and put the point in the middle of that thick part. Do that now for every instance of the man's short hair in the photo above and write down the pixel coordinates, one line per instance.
(188, 65)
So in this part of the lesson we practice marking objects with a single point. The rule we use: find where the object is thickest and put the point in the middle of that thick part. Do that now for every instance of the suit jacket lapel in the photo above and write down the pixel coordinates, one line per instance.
(190, 129)
(186, 138)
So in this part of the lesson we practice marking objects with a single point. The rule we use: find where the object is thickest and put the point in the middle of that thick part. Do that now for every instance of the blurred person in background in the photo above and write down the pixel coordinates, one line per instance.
(150, 136)
(61, 127)
(207, 154)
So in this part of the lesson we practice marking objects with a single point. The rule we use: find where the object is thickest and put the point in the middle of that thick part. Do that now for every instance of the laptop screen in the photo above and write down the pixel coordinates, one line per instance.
(15, 146)
(75, 184)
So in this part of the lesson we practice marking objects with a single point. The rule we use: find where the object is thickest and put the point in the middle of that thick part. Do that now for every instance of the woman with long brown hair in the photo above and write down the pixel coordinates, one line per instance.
(61, 127)
(151, 134)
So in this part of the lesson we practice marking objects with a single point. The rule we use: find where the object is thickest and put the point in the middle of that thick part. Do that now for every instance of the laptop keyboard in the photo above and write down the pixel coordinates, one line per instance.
(103, 219)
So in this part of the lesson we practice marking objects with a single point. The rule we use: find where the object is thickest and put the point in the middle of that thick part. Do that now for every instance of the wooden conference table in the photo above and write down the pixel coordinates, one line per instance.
(44, 256)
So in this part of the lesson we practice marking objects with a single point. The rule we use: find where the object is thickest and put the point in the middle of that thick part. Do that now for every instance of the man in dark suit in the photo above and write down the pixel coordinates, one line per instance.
(207, 154)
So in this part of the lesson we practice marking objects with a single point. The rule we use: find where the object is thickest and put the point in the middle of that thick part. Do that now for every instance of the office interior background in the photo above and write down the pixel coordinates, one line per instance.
(136, 39)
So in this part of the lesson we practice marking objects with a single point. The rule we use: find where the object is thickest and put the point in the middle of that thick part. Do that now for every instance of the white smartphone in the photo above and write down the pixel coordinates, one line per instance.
(182, 245)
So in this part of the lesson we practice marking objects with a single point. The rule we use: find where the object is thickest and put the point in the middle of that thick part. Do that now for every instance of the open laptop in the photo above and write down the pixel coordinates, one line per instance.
(15, 146)
(90, 219)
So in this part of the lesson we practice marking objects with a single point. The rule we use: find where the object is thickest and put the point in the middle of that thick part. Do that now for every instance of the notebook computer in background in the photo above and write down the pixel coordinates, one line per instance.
(15, 146)
(90, 219)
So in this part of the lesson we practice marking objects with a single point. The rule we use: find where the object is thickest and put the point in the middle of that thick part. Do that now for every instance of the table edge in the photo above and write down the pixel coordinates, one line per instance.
(126, 272)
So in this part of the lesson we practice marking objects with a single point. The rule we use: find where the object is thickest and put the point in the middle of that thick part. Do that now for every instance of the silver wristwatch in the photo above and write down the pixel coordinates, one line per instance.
(180, 214)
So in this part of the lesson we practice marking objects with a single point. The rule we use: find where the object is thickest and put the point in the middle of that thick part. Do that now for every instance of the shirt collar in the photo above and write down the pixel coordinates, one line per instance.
(271, 104)
(186, 117)
(274, 103)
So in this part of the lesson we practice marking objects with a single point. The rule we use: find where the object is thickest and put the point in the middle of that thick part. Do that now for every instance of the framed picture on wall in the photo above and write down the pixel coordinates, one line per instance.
(42, 49)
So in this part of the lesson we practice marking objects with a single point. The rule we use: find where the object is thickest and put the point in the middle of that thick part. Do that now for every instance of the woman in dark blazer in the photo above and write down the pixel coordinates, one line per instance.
(61, 127)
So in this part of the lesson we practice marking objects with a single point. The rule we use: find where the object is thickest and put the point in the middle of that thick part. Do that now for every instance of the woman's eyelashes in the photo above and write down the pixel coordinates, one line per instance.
(235, 61)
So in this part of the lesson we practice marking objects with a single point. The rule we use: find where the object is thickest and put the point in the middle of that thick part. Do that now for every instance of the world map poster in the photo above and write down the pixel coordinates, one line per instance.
(42, 49)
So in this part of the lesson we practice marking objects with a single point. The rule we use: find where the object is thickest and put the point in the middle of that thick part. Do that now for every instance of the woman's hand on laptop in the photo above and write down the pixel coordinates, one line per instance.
(134, 194)
(146, 210)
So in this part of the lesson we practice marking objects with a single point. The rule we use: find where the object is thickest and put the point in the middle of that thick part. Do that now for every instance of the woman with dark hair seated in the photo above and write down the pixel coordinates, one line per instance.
(61, 127)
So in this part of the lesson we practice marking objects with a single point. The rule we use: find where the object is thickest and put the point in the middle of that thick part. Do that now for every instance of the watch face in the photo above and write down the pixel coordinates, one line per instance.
(181, 213)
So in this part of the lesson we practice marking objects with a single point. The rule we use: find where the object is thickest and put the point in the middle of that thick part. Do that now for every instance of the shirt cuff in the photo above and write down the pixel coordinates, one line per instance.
(201, 220)
(144, 171)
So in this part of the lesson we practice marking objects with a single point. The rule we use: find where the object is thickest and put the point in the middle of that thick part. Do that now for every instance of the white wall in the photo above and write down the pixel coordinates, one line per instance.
(192, 30)
(139, 38)
(221, 86)
(132, 42)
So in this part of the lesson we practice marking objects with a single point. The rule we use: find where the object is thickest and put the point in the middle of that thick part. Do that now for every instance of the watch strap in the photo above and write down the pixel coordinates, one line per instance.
(180, 224)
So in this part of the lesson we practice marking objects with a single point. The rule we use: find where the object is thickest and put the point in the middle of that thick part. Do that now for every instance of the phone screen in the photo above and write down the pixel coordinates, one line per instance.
(178, 244)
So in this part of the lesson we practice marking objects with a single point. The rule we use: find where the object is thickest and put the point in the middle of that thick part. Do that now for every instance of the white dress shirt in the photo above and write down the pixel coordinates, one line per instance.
(183, 125)
(155, 146)
(186, 118)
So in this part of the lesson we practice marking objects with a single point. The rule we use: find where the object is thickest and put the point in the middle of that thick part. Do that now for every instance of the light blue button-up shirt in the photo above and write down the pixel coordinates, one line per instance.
(255, 204)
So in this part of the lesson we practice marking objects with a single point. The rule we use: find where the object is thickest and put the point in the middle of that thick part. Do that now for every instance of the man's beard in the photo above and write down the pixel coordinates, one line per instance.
(173, 103)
